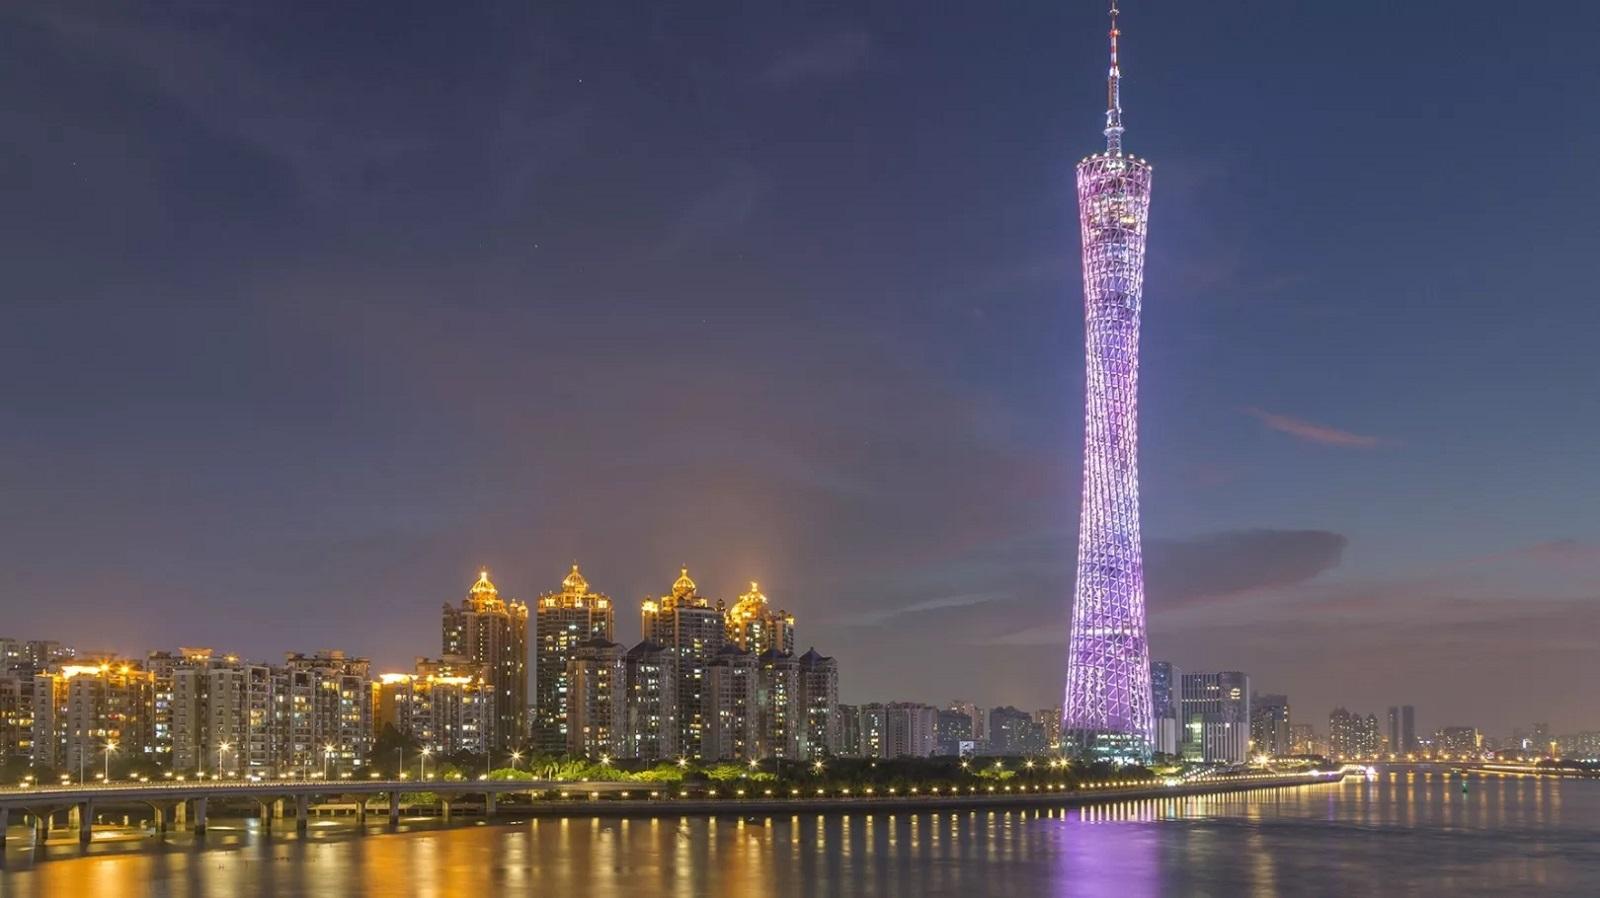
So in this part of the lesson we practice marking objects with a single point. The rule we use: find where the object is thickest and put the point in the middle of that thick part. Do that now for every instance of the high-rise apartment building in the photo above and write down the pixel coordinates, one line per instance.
(564, 620)
(1014, 732)
(1303, 740)
(1215, 708)
(90, 707)
(819, 705)
(910, 729)
(731, 713)
(872, 731)
(493, 632)
(1402, 729)
(780, 726)
(755, 627)
(597, 704)
(850, 742)
(952, 731)
(652, 704)
(692, 628)
(980, 721)
(1269, 725)
(1049, 721)
(445, 705)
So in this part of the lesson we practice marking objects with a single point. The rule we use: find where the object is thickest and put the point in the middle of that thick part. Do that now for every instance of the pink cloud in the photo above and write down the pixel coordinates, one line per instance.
(1314, 433)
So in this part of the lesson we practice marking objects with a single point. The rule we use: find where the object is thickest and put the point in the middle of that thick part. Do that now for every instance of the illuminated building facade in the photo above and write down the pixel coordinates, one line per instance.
(598, 700)
(1269, 726)
(754, 626)
(446, 705)
(953, 732)
(652, 705)
(493, 633)
(1013, 731)
(16, 719)
(87, 708)
(326, 700)
(910, 730)
(779, 725)
(1107, 707)
(1215, 708)
(819, 705)
(1459, 742)
(731, 715)
(693, 629)
(564, 620)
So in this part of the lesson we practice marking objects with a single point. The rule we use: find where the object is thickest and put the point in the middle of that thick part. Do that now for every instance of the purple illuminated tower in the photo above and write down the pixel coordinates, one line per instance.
(1107, 707)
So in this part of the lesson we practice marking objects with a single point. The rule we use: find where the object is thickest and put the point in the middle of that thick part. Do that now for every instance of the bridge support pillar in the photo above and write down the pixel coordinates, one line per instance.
(361, 812)
(488, 805)
(394, 808)
(302, 804)
(5, 821)
(85, 812)
(41, 827)
(199, 816)
(72, 817)
(180, 814)
(160, 817)
(444, 808)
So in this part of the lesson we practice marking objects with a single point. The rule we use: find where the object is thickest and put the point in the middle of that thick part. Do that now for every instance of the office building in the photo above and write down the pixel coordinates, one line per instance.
(1164, 705)
(1215, 709)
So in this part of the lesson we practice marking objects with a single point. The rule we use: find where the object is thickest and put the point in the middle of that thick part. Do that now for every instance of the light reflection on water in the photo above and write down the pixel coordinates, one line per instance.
(1404, 834)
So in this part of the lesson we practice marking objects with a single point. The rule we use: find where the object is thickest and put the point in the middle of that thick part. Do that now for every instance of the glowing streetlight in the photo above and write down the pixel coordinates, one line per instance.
(327, 754)
(515, 757)
(425, 753)
(221, 748)
(111, 746)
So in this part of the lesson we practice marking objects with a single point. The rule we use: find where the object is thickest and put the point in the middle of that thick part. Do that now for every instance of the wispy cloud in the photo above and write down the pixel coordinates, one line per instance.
(1311, 432)
(882, 615)
(829, 59)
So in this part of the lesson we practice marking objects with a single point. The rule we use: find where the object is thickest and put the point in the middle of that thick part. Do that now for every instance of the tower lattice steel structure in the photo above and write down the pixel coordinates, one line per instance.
(1107, 709)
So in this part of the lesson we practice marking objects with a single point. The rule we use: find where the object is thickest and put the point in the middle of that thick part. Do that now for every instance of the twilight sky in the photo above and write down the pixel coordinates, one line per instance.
(310, 309)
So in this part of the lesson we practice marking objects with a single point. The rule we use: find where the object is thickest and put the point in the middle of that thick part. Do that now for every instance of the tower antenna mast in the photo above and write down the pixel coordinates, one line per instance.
(1114, 91)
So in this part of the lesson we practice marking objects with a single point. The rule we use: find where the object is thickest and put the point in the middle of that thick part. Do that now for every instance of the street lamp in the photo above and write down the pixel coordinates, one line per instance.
(222, 747)
(111, 746)
(515, 757)
(425, 753)
(327, 754)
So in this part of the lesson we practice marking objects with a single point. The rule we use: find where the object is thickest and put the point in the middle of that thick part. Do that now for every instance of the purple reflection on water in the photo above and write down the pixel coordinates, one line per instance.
(1106, 851)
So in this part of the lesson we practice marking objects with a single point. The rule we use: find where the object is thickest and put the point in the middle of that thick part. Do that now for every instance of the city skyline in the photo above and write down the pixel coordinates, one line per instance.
(803, 312)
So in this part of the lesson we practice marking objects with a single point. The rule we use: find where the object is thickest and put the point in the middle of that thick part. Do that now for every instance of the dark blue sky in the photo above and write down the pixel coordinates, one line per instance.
(310, 309)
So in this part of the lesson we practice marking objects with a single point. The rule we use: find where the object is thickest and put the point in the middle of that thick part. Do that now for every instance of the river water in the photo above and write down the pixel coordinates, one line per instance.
(1403, 834)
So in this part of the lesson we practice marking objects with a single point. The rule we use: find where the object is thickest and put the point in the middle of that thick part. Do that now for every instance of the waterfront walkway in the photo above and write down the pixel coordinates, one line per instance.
(186, 804)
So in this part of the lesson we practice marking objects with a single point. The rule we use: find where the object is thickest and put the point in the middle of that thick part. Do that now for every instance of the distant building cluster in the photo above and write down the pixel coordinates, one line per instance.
(1216, 718)
(706, 681)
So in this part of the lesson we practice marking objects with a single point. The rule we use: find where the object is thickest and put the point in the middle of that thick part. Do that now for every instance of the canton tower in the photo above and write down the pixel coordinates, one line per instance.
(1107, 708)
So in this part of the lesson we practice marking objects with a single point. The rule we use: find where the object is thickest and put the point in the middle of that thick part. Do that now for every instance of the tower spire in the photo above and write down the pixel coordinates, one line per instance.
(1114, 92)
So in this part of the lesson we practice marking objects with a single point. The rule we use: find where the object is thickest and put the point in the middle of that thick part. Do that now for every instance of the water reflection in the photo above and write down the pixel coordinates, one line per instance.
(1405, 833)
